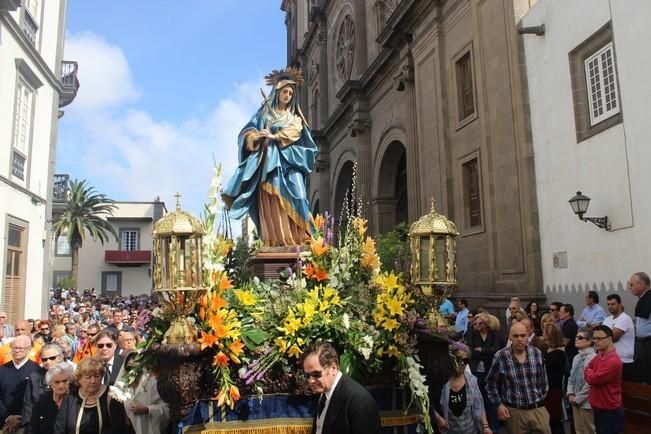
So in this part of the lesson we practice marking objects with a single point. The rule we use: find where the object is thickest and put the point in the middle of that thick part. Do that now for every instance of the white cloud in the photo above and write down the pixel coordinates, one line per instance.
(127, 153)
(103, 72)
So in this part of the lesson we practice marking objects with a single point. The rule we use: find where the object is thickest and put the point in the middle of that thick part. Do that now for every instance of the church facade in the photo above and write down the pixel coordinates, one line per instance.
(429, 99)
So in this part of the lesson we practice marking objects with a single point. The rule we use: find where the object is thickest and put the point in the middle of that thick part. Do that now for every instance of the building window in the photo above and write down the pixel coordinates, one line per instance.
(58, 276)
(602, 85)
(471, 192)
(22, 128)
(31, 19)
(13, 297)
(129, 239)
(465, 87)
(111, 283)
(595, 93)
(63, 246)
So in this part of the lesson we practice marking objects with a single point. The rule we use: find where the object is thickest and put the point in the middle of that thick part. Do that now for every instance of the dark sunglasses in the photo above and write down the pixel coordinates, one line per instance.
(107, 345)
(553, 310)
(51, 359)
(315, 374)
(44, 329)
(464, 360)
(581, 338)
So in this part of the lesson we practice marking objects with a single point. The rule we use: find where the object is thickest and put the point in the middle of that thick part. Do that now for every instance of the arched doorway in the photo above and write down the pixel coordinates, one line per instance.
(343, 192)
(392, 205)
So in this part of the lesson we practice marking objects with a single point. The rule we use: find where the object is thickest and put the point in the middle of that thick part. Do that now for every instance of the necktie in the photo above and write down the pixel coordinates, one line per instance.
(322, 403)
(107, 374)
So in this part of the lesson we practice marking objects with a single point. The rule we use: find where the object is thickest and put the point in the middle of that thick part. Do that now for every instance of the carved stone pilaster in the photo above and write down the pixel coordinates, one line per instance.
(404, 82)
(360, 129)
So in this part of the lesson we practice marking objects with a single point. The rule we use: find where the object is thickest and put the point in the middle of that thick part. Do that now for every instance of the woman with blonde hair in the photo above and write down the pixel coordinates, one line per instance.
(90, 410)
(484, 342)
(557, 366)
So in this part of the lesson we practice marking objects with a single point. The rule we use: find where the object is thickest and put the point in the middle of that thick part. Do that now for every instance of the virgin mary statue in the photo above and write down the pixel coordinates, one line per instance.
(276, 153)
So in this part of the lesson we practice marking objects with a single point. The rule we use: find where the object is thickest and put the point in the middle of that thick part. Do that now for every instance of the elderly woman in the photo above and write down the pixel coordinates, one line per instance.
(51, 354)
(90, 410)
(462, 406)
(577, 388)
(44, 413)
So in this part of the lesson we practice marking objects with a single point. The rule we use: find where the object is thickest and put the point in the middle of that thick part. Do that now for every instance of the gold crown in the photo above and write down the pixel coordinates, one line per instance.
(278, 75)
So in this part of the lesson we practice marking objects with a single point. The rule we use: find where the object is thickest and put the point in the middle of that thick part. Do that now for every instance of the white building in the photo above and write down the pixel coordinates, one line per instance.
(35, 82)
(589, 96)
(117, 267)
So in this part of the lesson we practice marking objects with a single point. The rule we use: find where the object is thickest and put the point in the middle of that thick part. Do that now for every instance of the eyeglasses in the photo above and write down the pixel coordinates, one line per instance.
(51, 359)
(581, 338)
(43, 329)
(553, 310)
(107, 345)
(314, 374)
(464, 360)
(599, 338)
(92, 335)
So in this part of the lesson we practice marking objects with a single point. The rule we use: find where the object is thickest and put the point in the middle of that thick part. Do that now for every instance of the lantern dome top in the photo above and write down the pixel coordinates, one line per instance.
(433, 223)
(178, 222)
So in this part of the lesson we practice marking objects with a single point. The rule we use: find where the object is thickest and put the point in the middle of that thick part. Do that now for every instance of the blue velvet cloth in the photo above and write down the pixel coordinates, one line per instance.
(284, 168)
(278, 406)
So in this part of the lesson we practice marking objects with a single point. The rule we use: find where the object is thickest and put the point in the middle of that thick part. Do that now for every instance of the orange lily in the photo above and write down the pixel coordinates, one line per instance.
(234, 392)
(319, 247)
(318, 221)
(217, 302)
(221, 359)
(207, 340)
(236, 347)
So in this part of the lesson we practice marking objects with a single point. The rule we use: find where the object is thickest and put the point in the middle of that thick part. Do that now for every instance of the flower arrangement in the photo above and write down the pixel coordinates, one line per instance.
(255, 332)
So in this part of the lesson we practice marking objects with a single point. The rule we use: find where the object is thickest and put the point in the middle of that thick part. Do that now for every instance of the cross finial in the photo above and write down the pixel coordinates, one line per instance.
(433, 202)
(178, 201)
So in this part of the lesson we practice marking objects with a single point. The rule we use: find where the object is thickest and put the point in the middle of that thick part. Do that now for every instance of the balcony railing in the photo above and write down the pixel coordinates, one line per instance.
(60, 188)
(69, 81)
(127, 257)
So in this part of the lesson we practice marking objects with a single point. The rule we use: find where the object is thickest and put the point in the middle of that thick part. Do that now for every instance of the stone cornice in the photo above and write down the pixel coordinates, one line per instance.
(333, 120)
(401, 21)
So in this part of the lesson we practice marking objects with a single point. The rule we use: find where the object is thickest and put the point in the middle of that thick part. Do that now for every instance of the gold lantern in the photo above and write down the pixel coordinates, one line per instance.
(433, 259)
(178, 278)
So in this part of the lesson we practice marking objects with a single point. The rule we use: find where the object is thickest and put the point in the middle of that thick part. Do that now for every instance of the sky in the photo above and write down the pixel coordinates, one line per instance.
(164, 92)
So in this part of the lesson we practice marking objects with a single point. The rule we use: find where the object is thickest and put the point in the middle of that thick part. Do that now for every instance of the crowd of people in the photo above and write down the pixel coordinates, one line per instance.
(530, 371)
(56, 373)
(546, 368)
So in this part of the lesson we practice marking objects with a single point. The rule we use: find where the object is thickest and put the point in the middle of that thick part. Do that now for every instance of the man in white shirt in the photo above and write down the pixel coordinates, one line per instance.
(344, 406)
(623, 334)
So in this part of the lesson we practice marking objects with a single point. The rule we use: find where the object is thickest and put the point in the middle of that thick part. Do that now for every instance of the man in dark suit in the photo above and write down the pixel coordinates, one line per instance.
(13, 380)
(344, 406)
(106, 346)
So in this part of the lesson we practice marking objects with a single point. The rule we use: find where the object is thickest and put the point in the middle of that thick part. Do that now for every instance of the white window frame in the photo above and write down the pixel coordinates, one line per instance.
(23, 121)
(63, 247)
(129, 239)
(601, 85)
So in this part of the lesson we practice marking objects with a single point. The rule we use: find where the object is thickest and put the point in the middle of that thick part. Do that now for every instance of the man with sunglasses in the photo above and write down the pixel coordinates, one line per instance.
(344, 406)
(13, 381)
(604, 375)
(106, 345)
(88, 348)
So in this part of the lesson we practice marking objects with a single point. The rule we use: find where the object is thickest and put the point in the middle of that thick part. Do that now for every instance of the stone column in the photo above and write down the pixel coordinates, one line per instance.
(360, 129)
(404, 82)
(323, 73)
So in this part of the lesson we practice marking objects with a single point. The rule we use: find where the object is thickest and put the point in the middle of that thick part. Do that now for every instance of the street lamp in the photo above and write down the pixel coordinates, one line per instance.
(579, 204)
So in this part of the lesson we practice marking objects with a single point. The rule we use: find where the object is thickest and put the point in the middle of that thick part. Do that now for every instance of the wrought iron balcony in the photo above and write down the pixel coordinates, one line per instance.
(127, 257)
(69, 81)
(60, 188)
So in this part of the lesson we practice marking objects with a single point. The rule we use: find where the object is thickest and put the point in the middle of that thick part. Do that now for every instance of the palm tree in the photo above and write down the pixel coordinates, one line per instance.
(85, 213)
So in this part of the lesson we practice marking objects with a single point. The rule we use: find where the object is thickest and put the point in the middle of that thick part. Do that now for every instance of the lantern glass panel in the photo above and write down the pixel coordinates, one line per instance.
(424, 259)
(164, 262)
(439, 251)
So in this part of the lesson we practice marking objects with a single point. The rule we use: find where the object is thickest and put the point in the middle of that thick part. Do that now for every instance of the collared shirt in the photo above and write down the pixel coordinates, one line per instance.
(594, 314)
(461, 322)
(643, 315)
(328, 394)
(512, 383)
(625, 345)
(21, 364)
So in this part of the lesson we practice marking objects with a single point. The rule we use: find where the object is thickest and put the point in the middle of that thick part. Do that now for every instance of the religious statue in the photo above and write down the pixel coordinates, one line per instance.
(276, 153)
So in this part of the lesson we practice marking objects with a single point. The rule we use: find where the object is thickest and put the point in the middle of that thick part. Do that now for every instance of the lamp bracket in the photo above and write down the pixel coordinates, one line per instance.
(600, 222)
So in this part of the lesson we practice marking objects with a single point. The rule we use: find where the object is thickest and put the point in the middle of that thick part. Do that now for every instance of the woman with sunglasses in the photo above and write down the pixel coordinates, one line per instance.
(51, 354)
(462, 406)
(58, 379)
(577, 388)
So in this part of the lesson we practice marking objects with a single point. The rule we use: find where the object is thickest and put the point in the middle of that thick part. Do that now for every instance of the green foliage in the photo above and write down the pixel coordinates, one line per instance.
(393, 248)
(237, 260)
(67, 283)
(85, 213)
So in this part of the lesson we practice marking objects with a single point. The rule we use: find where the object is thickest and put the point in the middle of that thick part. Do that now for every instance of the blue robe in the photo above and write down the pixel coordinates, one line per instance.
(279, 170)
